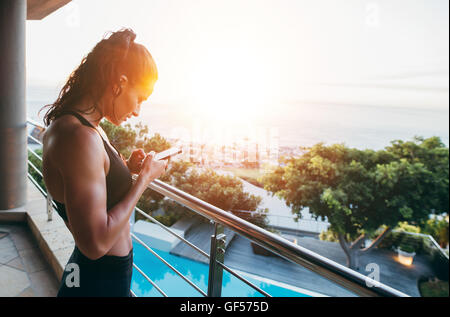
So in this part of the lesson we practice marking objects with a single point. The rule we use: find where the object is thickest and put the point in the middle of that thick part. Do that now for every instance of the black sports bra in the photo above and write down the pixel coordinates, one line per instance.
(118, 180)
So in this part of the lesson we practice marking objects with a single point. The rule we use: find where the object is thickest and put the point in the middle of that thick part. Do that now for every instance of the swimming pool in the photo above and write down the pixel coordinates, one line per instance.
(196, 272)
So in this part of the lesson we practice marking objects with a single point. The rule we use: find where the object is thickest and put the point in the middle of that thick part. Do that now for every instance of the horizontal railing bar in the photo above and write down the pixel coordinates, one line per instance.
(243, 279)
(255, 212)
(170, 266)
(35, 168)
(344, 276)
(150, 280)
(34, 139)
(35, 123)
(297, 220)
(35, 154)
(43, 192)
(173, 233)
(37, 185)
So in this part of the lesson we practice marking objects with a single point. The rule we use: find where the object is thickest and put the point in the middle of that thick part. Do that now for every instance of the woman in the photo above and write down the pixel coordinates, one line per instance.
(87, 177)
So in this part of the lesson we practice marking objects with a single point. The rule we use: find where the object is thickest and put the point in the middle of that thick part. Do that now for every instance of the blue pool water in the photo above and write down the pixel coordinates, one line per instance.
(196, 272)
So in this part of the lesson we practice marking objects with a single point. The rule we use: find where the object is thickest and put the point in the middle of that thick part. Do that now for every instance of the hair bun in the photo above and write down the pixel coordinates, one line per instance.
(124, 36)
(120, 42)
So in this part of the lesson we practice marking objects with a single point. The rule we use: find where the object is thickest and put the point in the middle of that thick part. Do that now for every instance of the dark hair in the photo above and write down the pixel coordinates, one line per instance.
(113, 56)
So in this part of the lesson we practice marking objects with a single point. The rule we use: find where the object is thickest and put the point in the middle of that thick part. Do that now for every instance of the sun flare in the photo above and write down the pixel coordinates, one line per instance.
(231, 87)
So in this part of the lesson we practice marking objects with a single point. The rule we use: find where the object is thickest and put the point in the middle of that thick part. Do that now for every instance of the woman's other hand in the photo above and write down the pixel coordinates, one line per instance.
(152, 169)
(135, 161)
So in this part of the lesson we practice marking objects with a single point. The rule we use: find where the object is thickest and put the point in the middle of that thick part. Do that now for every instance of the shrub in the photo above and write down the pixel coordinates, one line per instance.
(38, 163)
(398, 238)
(433, 288)
(407, 248)
(406, 227)
(438, 229)
(328, 235)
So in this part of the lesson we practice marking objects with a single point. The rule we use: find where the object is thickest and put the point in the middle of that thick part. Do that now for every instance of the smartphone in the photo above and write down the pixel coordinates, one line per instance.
(167, 153)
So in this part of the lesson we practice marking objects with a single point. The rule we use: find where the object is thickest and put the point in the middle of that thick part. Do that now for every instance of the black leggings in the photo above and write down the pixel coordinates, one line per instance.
(108, 276)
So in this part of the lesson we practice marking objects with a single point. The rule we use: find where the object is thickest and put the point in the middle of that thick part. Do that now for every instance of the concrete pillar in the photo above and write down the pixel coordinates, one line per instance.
(13, 141)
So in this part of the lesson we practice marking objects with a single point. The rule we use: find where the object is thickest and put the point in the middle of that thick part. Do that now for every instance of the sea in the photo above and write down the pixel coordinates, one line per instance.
(294, 123)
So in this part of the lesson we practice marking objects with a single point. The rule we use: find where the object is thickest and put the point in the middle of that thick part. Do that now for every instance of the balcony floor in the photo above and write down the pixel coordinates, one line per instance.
(33, 250)
(23, 269)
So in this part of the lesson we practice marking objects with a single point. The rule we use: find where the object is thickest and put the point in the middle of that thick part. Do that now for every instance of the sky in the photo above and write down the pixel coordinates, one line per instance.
(260, 52)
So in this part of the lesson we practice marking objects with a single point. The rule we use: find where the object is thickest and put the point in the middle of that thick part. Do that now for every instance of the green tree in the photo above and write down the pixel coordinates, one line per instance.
(433, 154)
(223, 191)
(438, 229)
(126, 139)
(359, 191)
(122, 137)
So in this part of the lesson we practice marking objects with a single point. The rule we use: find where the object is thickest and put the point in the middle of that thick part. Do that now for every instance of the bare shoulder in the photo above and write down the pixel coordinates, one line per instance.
(67, 140)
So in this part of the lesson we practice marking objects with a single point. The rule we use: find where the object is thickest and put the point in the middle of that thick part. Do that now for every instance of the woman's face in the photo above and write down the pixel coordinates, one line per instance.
(128, 103)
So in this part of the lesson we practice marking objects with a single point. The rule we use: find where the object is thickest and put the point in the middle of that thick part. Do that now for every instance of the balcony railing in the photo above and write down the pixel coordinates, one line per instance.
(337, 273)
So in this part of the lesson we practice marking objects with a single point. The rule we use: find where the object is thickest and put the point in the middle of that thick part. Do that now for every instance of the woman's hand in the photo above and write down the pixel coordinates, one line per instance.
(134, 163)
(152, 169)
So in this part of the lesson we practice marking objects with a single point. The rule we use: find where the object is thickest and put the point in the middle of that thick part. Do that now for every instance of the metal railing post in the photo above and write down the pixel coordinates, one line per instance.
(49, 207)
(133, 217)
(217, 255)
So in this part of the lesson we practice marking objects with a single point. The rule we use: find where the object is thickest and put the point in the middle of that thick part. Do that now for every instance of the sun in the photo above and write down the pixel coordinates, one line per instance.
(230, 87)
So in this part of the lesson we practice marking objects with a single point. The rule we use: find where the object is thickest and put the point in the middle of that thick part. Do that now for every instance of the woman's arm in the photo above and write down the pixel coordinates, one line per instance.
(95, 230)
